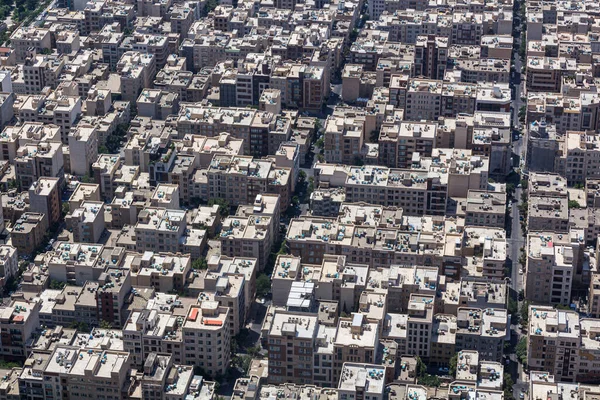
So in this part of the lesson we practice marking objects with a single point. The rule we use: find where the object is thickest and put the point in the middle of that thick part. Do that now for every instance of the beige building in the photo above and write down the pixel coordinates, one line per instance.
(291, 344)
(552, 263)
(548, 214)
(206, 337)
(343, 140)
(484, 208)
(83, 149)
(34, 161)
(159, 229)
(136, 71)
(44, 198)
(28, 232)
(87, 222)
(25, 38)
(18, 319)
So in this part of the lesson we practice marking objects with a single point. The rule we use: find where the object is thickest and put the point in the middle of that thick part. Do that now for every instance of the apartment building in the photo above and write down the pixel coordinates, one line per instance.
(484, 208)
(165, 272)
(548, 214)
(29, 231)
(18, 320)
(151, 331)
(250, 236)
(552, 263)
(83, 149)
(359, 381)
(581, 157)
(544, 74)
(9, 263)
(105, 170)
(356, 340)
(239, 179)
(159, 229)
(87, 222)
(423, 100)
(291, 342)
(561, 343)
(44, 198)
(344, 139)
(26, 38)
(206, 337)
(421, 309)
(482, 330)
(58, 108)
(398, 142)
(136, 70)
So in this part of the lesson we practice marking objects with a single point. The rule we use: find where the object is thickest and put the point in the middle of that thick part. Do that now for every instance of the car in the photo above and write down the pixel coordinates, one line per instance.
(519, 186)
(521, 395)
(521, 271)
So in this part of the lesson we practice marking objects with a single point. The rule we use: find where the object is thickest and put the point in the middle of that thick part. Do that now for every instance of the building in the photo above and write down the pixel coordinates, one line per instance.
(206, 337)
(29, 232)
(83, 149)
(87, 222)
(44, 198)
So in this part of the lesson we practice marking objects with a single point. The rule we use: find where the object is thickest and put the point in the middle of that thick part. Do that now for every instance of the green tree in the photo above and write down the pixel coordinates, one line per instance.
(295, 200)
(57, 285)
(80, 326)
(301, 176)
(263, 285)
(513, 310)
(453, 365)
(200, 264)
(521, 351)
(254, 351)
(105, 324)
(320, 143)
(429, 380)
(574, 204)
(508, 387)
(65, 208)
(525, 312)
(421, 367)
(510, 189)
(223, 206)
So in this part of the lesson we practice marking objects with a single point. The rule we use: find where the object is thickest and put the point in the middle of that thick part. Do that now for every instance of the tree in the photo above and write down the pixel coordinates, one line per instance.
(320, 143)
(263, 285)
(513, 310)
(579, 186)
(104, 324)
(301, 176)
(57, 285)
(574, 204)
(525, 312)
(200, 264)
(521, 351)
(508, 387)
(295, 200)
(429, 380)
(80, 326)
(453, 365)
(510, 189)
(254, 351)
(65, 208)
(223, 206)
(421, 367)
